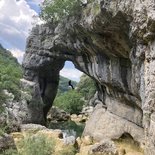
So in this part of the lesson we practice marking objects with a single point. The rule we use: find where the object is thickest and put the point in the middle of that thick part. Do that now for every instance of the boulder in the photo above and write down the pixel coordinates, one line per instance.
(81, 118)
(105, 147)
(56, 114)
(31, 127)
(87, 110)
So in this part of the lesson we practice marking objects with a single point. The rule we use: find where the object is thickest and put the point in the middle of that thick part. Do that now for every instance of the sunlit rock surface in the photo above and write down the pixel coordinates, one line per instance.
(114, 43)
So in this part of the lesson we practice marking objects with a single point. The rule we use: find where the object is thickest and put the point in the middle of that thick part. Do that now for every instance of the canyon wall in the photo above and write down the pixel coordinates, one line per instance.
(114, 43)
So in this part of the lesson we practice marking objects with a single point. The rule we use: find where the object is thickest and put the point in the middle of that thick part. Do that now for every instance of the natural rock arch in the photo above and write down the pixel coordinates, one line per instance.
(114, 46)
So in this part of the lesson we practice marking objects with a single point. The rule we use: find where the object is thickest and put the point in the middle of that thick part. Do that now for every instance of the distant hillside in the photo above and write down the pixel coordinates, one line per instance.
(63, 84)
(7, 56)
(10, 72)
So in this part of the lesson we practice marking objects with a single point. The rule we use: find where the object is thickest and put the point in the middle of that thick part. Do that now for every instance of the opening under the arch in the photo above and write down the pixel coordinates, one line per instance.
(69, 71)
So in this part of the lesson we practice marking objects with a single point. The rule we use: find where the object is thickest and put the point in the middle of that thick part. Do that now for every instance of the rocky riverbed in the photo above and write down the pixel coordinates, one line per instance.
(33, 138)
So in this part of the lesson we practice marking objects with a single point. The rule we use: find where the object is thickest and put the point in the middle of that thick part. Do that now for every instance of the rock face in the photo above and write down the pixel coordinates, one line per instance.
(14, 112)
(56, 114)
(114, 43)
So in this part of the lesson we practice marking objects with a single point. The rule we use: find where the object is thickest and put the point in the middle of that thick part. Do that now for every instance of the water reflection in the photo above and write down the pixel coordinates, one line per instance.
(69, 127)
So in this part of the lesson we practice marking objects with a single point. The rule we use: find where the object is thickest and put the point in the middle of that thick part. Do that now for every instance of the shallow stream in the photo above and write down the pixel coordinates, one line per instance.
(69, 127)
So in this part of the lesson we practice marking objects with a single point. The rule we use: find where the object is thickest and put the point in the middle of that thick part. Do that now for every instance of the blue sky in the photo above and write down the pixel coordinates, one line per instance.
(16, 22)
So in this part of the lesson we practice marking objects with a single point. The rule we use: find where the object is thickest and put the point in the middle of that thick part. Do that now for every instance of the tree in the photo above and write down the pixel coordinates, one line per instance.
(56, 10)
(10, 73)
(86, 87)
(70, 101)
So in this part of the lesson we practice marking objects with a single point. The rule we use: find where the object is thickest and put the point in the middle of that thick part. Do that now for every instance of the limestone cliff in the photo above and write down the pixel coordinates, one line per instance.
(114, 43)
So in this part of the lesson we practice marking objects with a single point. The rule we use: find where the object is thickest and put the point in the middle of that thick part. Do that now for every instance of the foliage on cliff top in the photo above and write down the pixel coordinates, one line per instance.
(10, 73)
(56, 10)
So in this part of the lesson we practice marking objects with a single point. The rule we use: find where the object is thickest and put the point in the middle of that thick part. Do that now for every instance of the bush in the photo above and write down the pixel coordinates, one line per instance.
(10, 74)
(2, 100)
(10, 152)
(3, 129)
(39, 145)
(56, 10)
(8, 128)
(70, 101)
(86, 87)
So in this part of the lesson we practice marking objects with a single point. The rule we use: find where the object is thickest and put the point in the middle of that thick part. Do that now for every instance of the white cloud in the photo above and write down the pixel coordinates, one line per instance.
(71, 73)
(37, 1)
(15, 22)
(16, 18)
(18, 54)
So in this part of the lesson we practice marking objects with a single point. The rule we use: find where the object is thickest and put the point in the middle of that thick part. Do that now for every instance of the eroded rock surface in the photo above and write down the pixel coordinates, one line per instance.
(114, 43)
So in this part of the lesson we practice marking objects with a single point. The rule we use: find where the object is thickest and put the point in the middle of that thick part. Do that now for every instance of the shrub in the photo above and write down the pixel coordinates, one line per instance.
(2, 100)
(39, 145)
(70, 101)
(56, 10)
(86, 87)
(10, 151)
(3, 129)
(10, 74)
(8, 127)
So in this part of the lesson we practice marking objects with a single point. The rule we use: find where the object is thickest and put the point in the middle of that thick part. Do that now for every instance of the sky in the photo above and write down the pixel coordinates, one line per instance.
(16, 22)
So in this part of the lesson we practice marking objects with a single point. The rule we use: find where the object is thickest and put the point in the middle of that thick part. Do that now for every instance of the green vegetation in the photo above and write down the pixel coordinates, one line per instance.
(86, 87)
(2, 99)
(39, 145)
(56, 10)
(70, 101)
(9, 151)
(63, 85)
(8, 127)
(10, 73)
(3, 129)
(2, 95)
